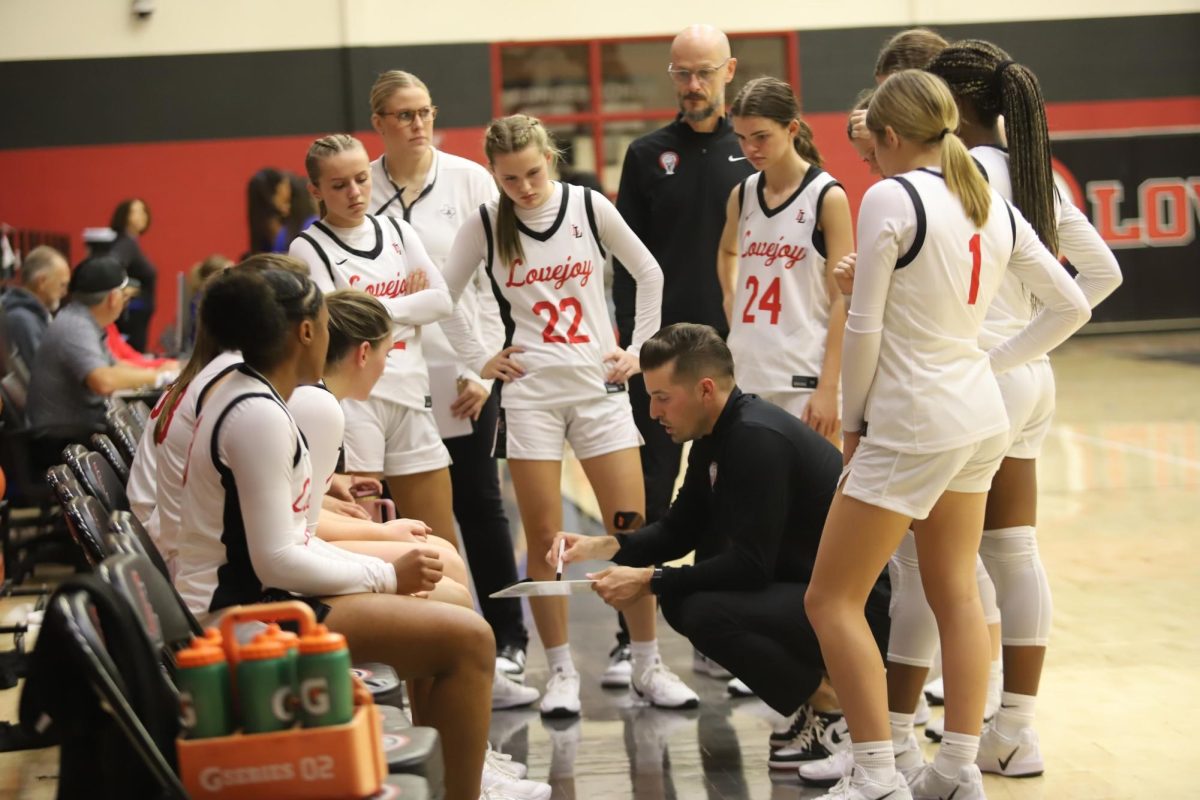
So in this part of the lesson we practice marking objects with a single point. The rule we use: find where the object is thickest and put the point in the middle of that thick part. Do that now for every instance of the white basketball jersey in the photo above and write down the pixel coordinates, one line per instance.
(216, 570)
(781, 306)
(934, 389)
(553, 305)
(381, 271)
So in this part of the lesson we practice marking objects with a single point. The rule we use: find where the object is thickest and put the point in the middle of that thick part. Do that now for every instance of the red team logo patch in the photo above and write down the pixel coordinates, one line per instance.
(800, 215)
(669, 160)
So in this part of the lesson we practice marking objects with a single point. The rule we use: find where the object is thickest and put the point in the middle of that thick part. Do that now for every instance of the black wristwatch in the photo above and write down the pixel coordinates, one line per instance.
(656, 581)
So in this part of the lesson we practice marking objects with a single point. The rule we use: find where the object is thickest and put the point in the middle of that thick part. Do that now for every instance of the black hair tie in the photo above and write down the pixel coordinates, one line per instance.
(942, 135)
(998, 75)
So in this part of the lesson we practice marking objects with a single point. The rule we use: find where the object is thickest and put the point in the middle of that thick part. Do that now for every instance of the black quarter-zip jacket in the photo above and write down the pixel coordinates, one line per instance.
(674, 186)
(756, 494)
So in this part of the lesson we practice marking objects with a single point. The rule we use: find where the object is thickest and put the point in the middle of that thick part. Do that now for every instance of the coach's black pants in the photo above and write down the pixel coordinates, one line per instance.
(764, 637)
(479, 509)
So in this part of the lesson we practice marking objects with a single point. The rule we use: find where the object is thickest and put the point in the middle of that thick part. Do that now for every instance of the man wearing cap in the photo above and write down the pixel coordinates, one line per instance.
(75, 370)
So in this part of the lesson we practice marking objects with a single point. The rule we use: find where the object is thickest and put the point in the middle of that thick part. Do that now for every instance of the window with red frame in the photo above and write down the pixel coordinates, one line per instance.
(596, 96)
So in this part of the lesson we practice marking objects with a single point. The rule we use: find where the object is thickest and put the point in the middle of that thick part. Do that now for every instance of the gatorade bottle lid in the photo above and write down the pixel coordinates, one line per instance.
(321, 640)
(264, 646)
(290, 640)
(213, 637)
(199, 655)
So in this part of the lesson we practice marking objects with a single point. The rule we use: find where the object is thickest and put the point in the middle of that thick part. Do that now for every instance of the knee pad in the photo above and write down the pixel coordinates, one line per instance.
(1022, 590)
(987, 593)
(913, 638)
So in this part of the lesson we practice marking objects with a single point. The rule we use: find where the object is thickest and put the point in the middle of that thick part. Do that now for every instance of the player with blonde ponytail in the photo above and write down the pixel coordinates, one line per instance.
(934, 243)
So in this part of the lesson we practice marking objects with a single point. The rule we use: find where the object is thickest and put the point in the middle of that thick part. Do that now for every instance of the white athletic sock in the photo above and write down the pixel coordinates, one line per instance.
(643, 655)
(902, 728)
(876, 761)
(559, 659)
(995, 686)
(1016, 712)
(958, 750)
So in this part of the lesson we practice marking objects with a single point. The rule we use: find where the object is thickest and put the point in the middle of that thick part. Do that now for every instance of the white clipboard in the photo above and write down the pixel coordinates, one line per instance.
(443, 388)
(543, 589)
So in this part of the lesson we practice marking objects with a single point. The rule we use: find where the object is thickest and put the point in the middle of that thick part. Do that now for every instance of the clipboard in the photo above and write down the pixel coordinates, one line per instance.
(528, 588)
(443, 388)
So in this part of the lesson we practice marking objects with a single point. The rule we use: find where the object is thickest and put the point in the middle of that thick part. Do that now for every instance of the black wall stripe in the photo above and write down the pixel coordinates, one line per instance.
(295, 92)
(1122, 58)
(227, 95)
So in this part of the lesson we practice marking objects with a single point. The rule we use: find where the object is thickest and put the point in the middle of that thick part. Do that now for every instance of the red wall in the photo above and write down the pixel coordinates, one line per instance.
(196, 190)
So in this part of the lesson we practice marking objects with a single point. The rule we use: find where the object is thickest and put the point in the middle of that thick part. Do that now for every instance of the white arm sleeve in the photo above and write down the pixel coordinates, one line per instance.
(886, 228)
(301, 249)
(259, 449)
(467, 253)
(1099, 274)
(319, 417)
(1065, 307)
(428, 305)
(623, 243)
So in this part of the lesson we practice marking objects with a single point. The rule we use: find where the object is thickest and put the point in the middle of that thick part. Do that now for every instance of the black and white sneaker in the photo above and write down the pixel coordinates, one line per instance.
(789, 728)
(809, 744)
(510, 660)
(619, 672)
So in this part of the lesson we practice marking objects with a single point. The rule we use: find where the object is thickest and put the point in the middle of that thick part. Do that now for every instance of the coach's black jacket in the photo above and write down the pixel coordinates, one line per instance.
(756, 495)
(674, 186)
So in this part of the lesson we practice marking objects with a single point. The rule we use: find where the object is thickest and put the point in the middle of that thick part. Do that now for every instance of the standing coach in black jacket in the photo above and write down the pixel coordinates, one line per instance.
(675, 183)
(758, 487)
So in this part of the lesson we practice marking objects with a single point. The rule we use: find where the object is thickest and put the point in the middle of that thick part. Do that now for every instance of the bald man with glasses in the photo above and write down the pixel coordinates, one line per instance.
(674, 186)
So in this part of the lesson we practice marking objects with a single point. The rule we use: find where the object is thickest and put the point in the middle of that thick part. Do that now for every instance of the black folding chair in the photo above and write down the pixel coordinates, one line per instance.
(123, 436)
(77, 627)
(97, 477)
(107, 448)
(168, 622)
(125, 522)
(89, 523)
(64, 483)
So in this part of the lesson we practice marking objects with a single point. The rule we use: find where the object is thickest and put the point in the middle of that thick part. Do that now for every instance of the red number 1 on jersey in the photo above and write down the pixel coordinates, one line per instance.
(549, 333)
(976, 262)
(769, 302)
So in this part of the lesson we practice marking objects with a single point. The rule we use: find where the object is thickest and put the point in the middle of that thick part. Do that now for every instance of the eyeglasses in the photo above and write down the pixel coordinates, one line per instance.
(704, 74)
(407, 116)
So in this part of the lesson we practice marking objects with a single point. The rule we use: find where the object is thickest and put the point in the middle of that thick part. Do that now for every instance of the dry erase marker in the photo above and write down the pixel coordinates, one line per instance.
(562, 547)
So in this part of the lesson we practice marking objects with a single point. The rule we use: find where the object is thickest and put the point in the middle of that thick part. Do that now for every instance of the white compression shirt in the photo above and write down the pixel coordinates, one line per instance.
(319, 416)
(377, 256)
(1098, 272)
(454, 189)
(247, 489)
(143, 500)
(563, 266)
(912, 365)
(172, 448)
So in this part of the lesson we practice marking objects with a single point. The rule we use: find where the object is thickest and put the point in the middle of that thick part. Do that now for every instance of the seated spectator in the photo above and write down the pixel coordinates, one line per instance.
(74, 370)
(28, 307)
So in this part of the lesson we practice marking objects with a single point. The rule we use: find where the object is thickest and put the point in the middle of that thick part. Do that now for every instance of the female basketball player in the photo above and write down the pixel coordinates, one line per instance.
(436, 192)
(786, 227)
(934, 243)
(986, 83)
(393, 433)
(360, 335)
(247, 488)
(543, 244)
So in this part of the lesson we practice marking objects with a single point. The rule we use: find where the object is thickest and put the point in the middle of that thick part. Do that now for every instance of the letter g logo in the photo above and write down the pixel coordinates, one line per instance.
(314, 694)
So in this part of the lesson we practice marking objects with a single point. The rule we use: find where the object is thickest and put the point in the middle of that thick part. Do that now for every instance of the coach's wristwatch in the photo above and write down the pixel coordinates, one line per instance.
(656, 581)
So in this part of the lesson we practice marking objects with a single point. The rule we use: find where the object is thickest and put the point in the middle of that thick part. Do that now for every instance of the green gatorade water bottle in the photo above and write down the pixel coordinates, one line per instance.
(203, 678)
(263, 689)
(291, 657)
(326, 691)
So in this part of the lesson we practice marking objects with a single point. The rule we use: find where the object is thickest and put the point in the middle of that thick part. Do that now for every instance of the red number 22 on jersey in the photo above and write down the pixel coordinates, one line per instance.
(549, 333)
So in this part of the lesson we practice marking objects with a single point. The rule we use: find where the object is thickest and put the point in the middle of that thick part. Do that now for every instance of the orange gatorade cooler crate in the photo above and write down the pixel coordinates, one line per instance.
(335, 762)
